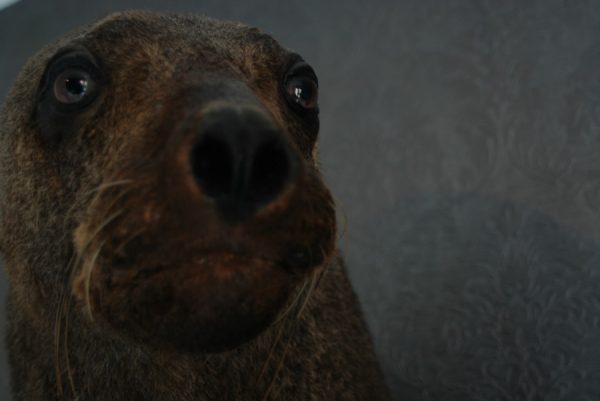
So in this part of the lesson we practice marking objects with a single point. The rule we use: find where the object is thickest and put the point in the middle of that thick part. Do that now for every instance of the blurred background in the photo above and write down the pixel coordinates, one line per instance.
(461, 140)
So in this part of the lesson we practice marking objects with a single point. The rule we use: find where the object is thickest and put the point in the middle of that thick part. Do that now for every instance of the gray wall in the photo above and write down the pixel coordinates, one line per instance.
(461, 139)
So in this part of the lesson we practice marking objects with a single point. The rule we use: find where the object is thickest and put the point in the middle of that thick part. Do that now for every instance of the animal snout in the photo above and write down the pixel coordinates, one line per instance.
(241, 162)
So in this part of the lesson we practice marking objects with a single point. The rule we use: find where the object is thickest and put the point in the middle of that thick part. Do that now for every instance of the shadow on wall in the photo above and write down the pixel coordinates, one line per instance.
(498, 301)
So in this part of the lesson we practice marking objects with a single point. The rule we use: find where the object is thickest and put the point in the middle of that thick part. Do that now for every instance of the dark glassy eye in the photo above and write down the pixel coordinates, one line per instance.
(303, 91)
(71, 82)
(73, 86)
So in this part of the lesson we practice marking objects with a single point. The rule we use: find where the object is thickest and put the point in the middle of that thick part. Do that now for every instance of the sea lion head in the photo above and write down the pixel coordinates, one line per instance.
(159, 170)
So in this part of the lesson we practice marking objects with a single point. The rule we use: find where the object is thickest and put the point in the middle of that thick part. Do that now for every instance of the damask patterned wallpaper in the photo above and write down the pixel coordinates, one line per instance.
(461, 139)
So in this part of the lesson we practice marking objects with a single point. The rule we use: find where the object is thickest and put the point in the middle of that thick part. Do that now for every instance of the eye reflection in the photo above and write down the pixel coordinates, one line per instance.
(72, 86)
(303, 91)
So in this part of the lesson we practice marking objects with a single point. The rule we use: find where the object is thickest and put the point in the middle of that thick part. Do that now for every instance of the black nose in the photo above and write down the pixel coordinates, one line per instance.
(241, 162)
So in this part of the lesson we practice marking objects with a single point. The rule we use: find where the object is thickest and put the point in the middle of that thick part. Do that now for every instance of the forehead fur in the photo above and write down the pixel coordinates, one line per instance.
(195, 38)
(182, 32)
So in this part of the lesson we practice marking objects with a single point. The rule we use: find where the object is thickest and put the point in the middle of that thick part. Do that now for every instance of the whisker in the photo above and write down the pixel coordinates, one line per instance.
(309, 292)
(312, 283)
(66, 348)
(87, 270)
(58, 326)
(280, 321)
(130, 238)
(107, 185)
(277, 369)
(65, 305)
(276, 341)
(115, 200)
(98, 190)
(292, 304)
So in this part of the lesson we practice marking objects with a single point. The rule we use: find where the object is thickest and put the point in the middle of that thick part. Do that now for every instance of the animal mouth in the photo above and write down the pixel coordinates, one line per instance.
(209, 304)
(192, 301)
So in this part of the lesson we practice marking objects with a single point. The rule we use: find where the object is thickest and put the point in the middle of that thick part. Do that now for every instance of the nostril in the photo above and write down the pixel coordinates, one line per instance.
(241, 163)
(212, 166)
(269, 172)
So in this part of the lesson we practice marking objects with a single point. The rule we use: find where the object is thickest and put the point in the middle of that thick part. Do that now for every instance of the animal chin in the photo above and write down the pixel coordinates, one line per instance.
(212, 303)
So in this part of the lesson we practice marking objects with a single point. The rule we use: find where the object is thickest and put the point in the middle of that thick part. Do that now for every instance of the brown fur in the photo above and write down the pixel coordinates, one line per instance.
(75, 218)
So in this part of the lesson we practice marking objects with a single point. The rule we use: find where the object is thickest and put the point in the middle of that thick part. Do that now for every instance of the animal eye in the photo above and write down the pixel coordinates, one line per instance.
(73, 86)
(303, 91)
